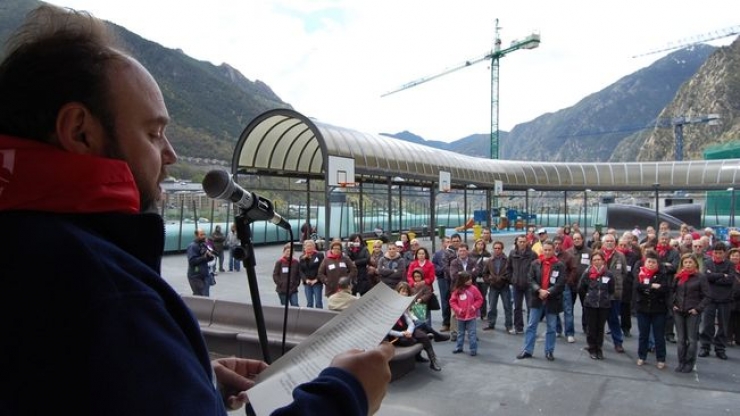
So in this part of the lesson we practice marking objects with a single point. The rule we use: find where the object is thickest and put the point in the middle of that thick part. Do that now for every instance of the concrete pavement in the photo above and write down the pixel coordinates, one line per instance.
(495, 382)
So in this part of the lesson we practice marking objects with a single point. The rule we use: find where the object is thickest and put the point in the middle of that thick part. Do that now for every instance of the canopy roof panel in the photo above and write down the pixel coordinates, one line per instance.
(285, 142)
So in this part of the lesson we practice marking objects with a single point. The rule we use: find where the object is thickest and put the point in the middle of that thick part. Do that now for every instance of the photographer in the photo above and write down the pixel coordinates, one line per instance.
(199, 255)
(357, 251)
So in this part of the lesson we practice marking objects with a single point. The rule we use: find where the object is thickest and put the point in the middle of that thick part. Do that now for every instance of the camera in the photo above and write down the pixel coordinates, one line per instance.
(354, 244)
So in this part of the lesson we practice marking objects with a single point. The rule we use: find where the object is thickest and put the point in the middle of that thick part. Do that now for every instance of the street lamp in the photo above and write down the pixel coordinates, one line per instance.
(732, 206)
(657, 208)
(465, 209)
(400, 180)
(526, 207)
(585, 208)
(308, 203)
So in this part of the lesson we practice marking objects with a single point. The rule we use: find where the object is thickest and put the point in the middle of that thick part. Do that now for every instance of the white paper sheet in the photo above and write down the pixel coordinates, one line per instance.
(363, 326)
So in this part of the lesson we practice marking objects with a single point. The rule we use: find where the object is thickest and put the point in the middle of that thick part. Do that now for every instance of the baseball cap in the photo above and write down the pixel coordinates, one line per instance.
(542, 231)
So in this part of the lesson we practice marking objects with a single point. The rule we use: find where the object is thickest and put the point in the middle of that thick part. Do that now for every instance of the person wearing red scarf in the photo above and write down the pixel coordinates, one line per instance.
(627, 245)
(286, 278)
(359, 254)
(721, 276)
(652, 288)
(546, 280)
(691, 296)
(597, 283)
(733, 334)
(335, 265)
(308, 270)
(668, 258)
(617, 265)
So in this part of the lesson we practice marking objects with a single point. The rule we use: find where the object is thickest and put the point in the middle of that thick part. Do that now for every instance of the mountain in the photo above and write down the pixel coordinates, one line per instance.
(618, 122)
(209, 105)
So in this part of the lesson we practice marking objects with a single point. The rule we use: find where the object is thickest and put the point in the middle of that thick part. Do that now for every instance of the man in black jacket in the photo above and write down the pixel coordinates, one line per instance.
(719, 272)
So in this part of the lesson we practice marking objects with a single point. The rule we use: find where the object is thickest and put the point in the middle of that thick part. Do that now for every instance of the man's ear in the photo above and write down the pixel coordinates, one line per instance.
(78, 131)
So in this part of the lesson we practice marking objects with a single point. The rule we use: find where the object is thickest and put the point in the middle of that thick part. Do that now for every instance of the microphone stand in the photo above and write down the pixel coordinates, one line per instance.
(246, 254)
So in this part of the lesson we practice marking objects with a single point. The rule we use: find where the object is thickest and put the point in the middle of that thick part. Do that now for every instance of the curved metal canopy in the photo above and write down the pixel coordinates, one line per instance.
(283, 142)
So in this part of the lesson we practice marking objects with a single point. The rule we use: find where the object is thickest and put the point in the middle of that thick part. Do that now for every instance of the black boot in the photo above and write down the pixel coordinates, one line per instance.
(433, 363)
(420, 359)
(439, 337)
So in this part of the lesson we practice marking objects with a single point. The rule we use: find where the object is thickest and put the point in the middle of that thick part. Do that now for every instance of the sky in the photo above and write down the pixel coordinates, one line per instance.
(333, 59)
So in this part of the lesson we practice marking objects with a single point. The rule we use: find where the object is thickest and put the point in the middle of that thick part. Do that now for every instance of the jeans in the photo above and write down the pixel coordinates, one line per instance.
(646, 322)
(234, 264)
(520, 296)
(613, 321)
(444, 300)
(314, 295)
(568, 301)
(293, 298)
(687, 336)
(220, 257)
(470, 328)
(483, 289)
(708, 335)
(531, 335)
(493, 295)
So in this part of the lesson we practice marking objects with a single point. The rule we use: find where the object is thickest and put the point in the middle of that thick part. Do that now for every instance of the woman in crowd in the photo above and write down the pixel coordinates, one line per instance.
(481, 255)
(232, 242)
(308, 270)
(285, 276)
(733, 335)
(336, 265)
(652, 288)
(405, 333)
(372, 263)
(357, 252)
(392, 266)
(597, 283)
(690, 297)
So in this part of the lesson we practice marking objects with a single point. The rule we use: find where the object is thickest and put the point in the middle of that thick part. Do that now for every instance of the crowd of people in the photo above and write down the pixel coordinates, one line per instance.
(679, 287)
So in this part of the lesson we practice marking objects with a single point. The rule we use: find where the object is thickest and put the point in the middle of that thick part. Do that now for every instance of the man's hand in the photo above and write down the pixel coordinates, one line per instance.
(234, 377)
(371, 370)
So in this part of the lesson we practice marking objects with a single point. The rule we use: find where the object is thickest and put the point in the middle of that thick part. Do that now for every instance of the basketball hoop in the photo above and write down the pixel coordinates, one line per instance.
(346, 184)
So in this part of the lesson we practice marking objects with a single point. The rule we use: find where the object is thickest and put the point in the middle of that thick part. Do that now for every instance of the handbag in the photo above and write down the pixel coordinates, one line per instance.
(433, 303)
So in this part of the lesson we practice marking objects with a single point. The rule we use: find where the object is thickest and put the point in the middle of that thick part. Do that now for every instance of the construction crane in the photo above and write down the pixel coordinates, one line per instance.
(706, 37)
(678, 122)
(530, 42)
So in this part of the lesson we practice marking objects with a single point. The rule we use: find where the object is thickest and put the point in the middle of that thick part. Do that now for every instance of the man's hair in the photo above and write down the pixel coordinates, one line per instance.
(56, 57)
(344, 282)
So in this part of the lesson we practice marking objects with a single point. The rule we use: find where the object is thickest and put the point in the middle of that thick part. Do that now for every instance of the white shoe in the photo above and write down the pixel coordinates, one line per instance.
(571, 339)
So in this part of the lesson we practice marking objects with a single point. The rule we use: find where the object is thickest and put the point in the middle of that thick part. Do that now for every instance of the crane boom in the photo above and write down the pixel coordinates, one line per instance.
(717, 34)
(530, 42)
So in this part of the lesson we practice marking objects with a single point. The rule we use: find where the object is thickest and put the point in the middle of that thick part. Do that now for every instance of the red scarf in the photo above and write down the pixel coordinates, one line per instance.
(333, 256)
(646, 273)
(309, 252)
(285, 260)
(623, 250)
(546, 267)
(684, 275)
(607, 255)
(662, 249)
(594, 273)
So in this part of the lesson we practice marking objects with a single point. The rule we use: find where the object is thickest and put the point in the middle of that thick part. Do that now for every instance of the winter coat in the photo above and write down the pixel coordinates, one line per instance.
(519, 265)
(599, 291)
(496, 272)
(392, 270)
(693, 294)
(466, 303)
(281, 277)
(554, 302)
(647, 299)
(721, 278)
(331, 270)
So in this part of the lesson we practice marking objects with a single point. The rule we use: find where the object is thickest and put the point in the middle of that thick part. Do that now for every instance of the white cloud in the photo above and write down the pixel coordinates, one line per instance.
(333, 59)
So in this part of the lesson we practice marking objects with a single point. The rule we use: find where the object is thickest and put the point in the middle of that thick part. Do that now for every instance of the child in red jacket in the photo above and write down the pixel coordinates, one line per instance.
(466, 301)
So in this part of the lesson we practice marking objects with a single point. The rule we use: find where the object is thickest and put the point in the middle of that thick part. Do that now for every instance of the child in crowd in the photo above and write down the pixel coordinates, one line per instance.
(466, 301)
(420, 308)
(406, 333)
(286, 278)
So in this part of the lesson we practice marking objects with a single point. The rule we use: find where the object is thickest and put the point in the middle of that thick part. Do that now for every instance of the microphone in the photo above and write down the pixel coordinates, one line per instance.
(218, 184)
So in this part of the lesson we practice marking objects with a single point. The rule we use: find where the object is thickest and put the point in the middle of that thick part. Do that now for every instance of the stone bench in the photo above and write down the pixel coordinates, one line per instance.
(230, 329)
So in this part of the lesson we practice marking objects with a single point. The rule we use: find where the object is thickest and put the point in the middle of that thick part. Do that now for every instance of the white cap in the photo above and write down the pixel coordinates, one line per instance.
(709, 230)
(542, 231)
